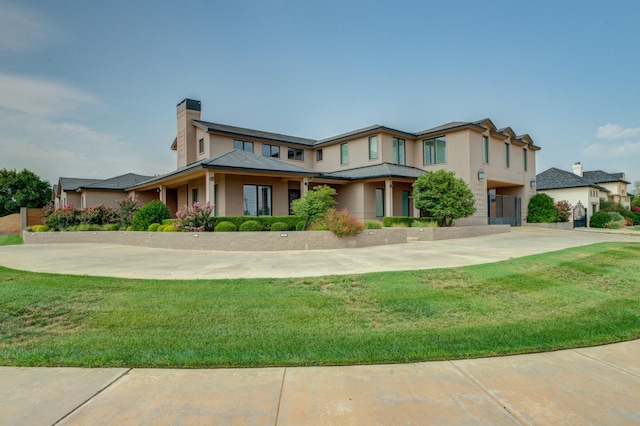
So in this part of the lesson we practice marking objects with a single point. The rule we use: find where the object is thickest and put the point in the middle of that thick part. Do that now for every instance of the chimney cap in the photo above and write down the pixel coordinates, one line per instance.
(187, 103)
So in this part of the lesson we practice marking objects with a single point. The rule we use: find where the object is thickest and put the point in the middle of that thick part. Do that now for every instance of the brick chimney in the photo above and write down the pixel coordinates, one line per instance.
(186, 143)
(577, 168)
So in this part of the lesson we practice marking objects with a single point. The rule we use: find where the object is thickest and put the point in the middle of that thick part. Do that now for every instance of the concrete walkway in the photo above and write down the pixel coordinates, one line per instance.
(599, 385)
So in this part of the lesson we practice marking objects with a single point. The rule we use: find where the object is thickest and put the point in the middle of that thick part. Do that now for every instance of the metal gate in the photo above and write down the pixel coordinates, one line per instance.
(505, 210)
(579, 216)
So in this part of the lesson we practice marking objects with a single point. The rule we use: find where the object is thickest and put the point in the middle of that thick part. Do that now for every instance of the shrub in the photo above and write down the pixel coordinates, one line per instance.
(300, 225)
(340, 223)
(153, 227)
(62, 218)
(541, 209)
(98, 215)
(127, 208)
(161, 228)
(40, 228)
(168, 221)
(372, 224)
(397, 221)
(129, 228)
(315, 203)
(599, 219)
(634, 217)
(153, 212)
(111, 227)
(250, 226)
(226, 226)
(196, 218)
(563, 210)
(171, 228)
(84, 227)
(424, 224)
(279, 227)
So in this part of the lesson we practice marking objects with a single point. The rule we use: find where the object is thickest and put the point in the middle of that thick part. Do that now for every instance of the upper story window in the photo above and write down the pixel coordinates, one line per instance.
(373, 147)
(270, 151)
(201, 146)
(399, 155)
(319, 154)
(344, 153)
(295, 154)
(524, 155)
(435, 151)
(243, 145)
(507, 161)
(485, 149)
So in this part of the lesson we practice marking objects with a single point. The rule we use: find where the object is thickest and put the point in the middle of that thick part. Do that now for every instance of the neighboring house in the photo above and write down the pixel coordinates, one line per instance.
(82, 193)
(585, 187)
(250, 172)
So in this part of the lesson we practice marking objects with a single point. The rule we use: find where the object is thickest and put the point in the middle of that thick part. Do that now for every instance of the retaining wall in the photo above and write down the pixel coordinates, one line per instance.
(567, 226)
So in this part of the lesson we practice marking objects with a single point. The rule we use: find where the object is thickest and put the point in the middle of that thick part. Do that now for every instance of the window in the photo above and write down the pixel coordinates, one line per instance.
(485, 149)
(344, 153)
(194, 194)
(295, 154)
(524, 153)
(373, 147)
(398, 151)
(243, 145)
(379, 202)
(506, 155)
(271, 151)
(435, 151)
(201, 146)
(257, 200)
(405, 203)
(318, 155)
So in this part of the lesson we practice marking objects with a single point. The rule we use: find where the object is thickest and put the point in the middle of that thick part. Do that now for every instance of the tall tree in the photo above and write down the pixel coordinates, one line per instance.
(443, 196)
(22, 189)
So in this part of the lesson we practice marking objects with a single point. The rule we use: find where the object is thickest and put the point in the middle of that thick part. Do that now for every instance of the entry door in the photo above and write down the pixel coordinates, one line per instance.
(405, 203)
(294, 194)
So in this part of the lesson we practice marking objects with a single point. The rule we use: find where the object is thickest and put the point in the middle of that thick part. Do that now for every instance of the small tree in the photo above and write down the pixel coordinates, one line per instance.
(443, 196)
(563, 209)
(153, 212)
(541, 209)
(22, 189)
(314, 204)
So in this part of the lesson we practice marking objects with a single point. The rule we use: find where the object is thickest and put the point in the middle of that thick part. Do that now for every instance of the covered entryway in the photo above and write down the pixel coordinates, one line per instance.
(504, 209)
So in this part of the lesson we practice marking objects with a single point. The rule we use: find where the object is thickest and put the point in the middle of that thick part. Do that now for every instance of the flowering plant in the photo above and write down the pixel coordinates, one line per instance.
(197, 218)
(339, 222)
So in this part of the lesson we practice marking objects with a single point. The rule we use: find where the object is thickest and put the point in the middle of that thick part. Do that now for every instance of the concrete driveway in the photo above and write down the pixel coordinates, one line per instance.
(142, 262)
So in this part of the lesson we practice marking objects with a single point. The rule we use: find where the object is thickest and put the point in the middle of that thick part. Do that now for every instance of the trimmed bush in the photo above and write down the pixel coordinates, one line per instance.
(250, 226)
(279, 227)
(226, 226)
(170, 228)
(372, 224)
(161, 228)
(168, 221)
(153, 227)
(83, 227)
(111, 227)
(129, 228)
(300, 226)
(542, 209)
(153, 212)
(40, 228)
(599, 219)
(424, 224)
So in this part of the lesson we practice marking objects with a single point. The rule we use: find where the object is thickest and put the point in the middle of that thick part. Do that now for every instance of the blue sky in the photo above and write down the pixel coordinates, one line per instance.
(89, 89)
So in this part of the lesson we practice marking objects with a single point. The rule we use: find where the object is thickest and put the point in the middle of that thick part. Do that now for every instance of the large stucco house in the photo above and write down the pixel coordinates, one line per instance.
(252, 172)
(587, 188)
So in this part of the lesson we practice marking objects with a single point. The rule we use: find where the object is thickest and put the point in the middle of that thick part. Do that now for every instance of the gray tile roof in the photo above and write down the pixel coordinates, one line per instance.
(243, 160)
(240, 132)
(557, 179)
(364, 130)
(377, 171)
(72, 184)
(446, 126)
(598, 176)
(118, 183)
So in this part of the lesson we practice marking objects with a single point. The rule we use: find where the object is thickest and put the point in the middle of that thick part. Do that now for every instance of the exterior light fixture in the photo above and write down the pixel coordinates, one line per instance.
(532, 183)
(480, 174)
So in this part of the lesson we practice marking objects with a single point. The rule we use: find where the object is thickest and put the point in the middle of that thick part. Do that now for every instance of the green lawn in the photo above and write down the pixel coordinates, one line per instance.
(9, 240)
(576, 297)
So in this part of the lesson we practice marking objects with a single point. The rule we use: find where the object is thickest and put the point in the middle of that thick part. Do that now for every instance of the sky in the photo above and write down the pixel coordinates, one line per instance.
(89, 89)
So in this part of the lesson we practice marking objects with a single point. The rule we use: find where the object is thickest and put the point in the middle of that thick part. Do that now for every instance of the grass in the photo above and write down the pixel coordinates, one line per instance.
(9, 240)
(572, 298)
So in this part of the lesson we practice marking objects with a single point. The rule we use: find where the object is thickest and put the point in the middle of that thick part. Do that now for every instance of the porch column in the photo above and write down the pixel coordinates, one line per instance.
(416, 212)
(162, 190)
(304, 186)
(210, 185)
(388, 198)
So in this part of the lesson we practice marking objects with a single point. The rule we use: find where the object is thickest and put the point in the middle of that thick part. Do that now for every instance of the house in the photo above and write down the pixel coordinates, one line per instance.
(585, 187)
(83, 193)
(252, 172)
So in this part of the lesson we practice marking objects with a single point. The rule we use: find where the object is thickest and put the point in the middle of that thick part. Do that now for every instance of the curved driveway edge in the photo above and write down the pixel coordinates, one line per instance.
(141, 262)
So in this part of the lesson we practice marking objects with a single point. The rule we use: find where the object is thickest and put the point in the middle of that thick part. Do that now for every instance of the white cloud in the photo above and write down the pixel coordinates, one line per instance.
(613, 131)
(21, 29)
(626, 150)
(41, 97)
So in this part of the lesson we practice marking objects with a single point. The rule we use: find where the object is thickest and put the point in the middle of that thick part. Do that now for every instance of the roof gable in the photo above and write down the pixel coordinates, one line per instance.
(117, 183)
(377, 171)
(72, 184)
(598, 176)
